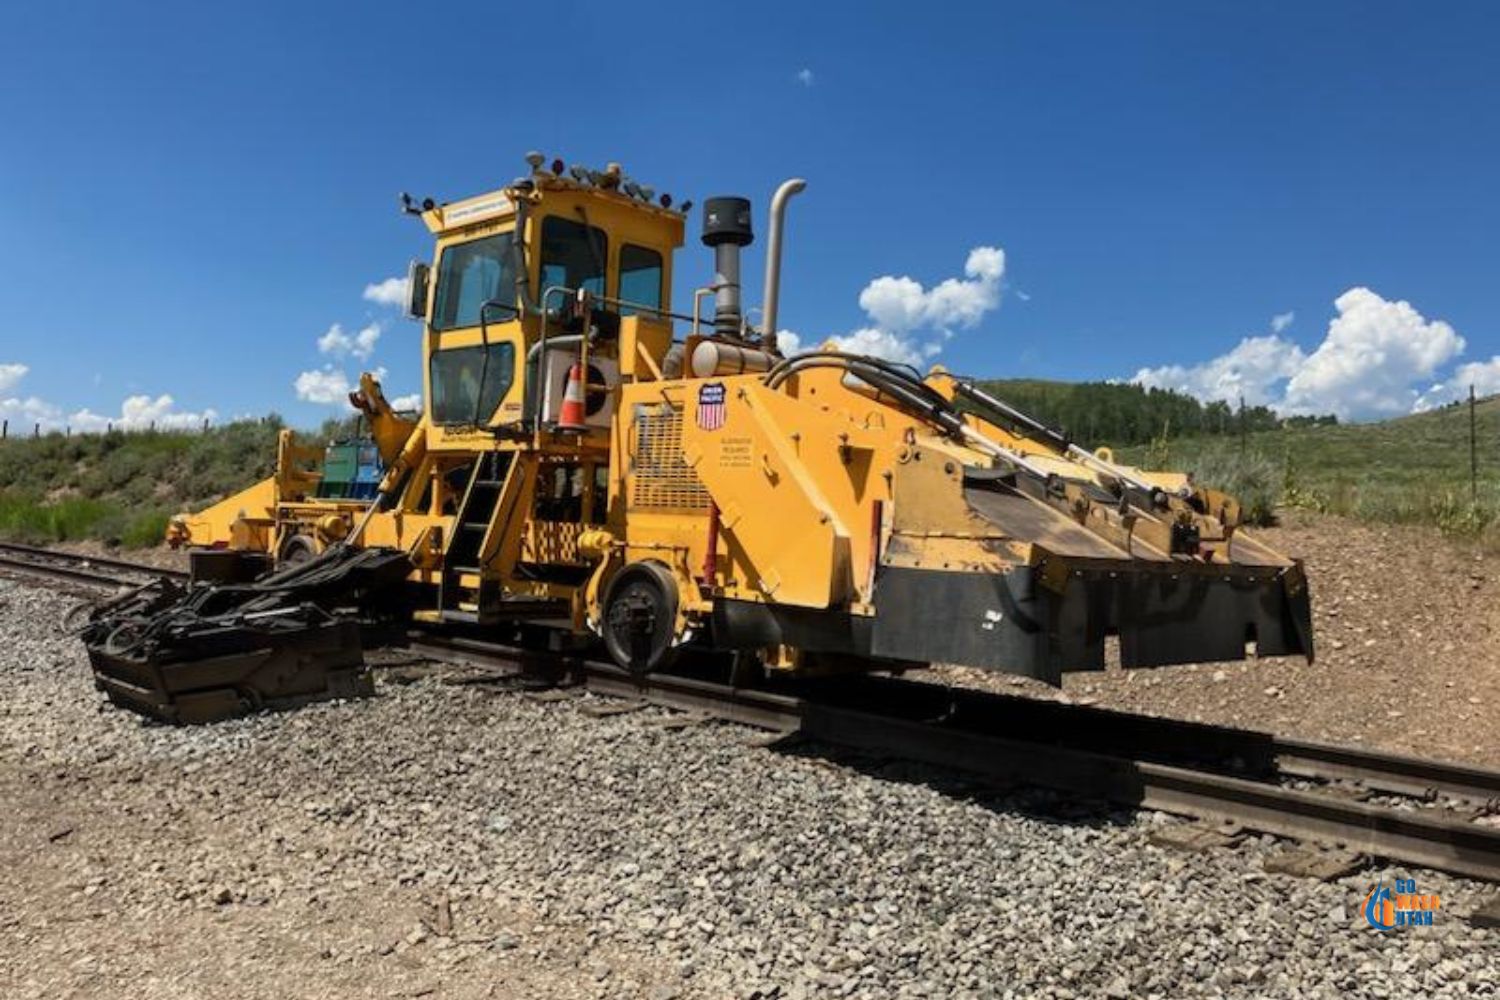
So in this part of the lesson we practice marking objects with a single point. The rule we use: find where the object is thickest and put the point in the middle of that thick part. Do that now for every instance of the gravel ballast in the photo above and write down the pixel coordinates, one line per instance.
(468, 841)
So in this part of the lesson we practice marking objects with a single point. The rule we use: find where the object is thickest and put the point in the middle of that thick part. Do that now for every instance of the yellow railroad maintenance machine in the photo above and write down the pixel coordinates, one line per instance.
(590, 466)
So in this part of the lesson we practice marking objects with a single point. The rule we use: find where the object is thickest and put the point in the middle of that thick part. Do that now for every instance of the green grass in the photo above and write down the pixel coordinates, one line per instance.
(27, 518)
(1411, 470)
(121, 488)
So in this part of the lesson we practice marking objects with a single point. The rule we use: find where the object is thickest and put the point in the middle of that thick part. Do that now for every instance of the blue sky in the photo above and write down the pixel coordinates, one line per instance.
(192, 195)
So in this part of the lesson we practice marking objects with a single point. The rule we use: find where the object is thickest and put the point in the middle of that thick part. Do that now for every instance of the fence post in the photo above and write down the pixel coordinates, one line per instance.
(1473, 450)
(4, 429)
(1244, 431)
(36, 430)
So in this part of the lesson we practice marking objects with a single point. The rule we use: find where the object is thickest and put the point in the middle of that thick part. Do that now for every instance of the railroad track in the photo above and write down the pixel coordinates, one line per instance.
(94, 571)
(1403, 809)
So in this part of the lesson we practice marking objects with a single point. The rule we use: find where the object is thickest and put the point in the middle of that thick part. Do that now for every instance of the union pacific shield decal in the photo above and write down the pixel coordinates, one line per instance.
(711, 406)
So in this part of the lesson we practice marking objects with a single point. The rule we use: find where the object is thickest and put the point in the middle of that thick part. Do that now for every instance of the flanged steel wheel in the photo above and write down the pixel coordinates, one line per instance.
(640, 616)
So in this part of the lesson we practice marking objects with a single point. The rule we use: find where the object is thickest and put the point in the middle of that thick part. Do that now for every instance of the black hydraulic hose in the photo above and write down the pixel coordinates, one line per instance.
(893, 373)
(884, 377)
(783, 369)
(878, 371)
(1016, 417)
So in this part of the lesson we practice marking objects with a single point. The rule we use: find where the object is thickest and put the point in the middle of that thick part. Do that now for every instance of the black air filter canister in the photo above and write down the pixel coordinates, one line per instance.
(726, 228)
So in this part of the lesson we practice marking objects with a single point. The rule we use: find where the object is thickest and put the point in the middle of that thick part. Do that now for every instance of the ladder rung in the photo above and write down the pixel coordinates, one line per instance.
(476, 526)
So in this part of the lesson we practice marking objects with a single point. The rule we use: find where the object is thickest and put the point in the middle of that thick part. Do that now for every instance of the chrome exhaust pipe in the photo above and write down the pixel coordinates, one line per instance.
(773, 257)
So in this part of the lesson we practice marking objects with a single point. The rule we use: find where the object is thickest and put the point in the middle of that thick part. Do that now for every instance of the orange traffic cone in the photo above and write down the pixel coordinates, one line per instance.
(573, 416)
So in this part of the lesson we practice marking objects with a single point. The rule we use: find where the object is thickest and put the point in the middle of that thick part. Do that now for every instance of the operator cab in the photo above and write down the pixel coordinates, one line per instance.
(492, 297)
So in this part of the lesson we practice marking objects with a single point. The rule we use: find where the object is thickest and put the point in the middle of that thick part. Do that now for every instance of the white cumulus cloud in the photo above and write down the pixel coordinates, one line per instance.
(390, 292)
(341, 344)
(1256, 369)
(141, 413)
(1374, 354)
(1281, 321)
(325, 385)
(24, 414)
(1483, 376)
(805, 77)
(11, 374)
(136, 413)
(910, 323)
(408, 403)
(899, 305)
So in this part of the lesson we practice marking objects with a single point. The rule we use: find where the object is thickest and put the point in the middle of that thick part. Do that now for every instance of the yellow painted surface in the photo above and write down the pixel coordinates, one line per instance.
(804, 489)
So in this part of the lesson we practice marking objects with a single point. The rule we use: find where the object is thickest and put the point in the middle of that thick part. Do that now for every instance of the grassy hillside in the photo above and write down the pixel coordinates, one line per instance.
(1409, 470)
(121, 487)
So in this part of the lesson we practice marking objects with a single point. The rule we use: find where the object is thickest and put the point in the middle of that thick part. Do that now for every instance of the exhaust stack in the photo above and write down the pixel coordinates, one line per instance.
(773, 256)
(726, 228)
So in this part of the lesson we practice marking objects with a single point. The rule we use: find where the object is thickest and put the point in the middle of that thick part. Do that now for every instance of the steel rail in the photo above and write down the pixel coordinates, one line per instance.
(1226, 749)
(97, 571)
(1206, 772)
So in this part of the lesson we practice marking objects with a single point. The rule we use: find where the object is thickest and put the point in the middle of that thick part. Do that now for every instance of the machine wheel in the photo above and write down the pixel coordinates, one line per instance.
(640, 617)
(296, 549)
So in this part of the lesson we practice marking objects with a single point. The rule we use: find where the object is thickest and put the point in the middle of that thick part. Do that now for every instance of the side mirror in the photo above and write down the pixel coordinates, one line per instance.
(417, 277)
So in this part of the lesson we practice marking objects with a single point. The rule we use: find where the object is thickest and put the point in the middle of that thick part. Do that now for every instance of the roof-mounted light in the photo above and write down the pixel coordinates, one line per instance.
(535, 160)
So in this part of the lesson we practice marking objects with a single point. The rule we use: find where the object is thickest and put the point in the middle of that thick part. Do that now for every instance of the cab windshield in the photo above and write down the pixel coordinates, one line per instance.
(469, 275)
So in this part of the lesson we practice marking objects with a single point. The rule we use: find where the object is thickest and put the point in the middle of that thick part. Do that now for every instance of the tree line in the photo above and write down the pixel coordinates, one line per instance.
(1117, 413)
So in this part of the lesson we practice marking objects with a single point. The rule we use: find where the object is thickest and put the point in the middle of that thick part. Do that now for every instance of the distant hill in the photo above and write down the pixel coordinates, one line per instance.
(122, 487)
(1412, 469)
(1117, 414)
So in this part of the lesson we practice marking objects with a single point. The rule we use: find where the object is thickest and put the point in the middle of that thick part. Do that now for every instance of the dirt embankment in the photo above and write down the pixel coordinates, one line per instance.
(1406, 626)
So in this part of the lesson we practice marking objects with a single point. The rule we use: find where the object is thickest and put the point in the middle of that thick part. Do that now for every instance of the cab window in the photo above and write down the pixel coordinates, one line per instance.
(640, 279)
(573, 256)
(469, 275)
(466, 390)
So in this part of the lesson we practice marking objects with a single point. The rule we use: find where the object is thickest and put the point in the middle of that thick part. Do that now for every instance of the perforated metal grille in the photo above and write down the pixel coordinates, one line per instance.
(662, 479)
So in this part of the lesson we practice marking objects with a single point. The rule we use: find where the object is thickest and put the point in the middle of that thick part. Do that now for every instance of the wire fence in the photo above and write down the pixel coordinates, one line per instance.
(66, 430)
